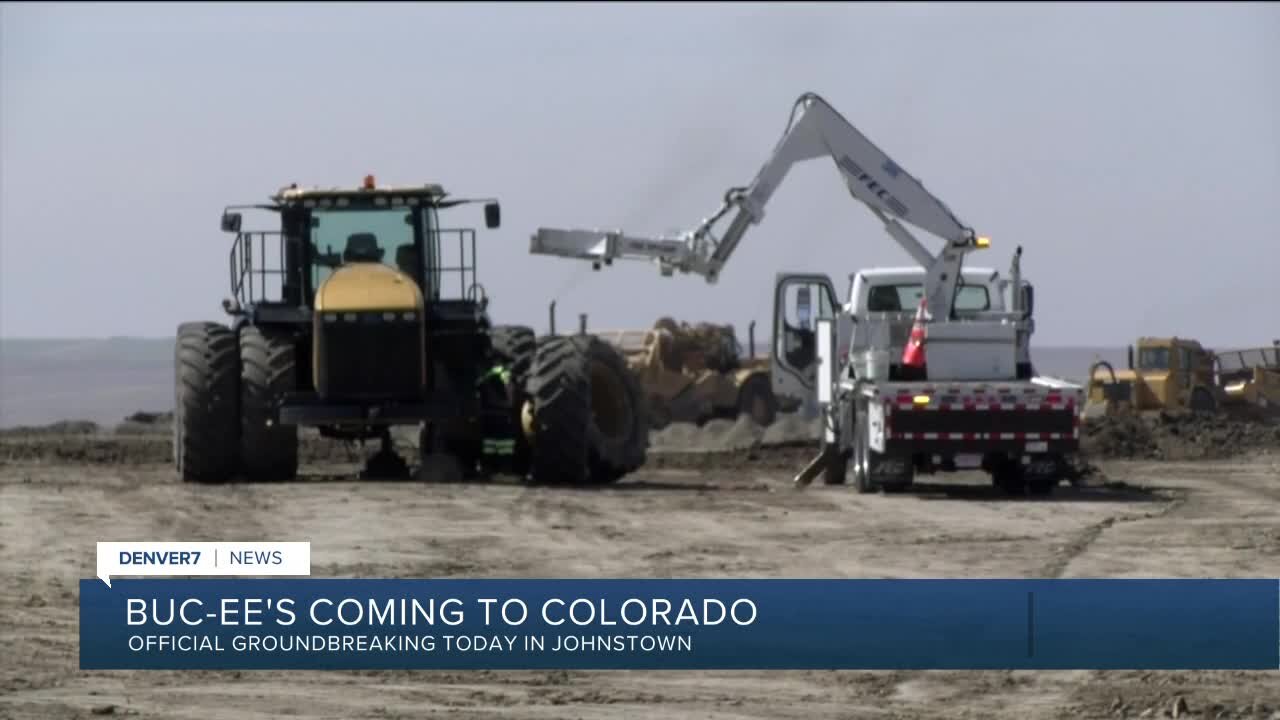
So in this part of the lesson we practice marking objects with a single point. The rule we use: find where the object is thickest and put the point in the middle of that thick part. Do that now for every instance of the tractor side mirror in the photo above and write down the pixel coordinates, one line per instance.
(230, 222)
(492, 215)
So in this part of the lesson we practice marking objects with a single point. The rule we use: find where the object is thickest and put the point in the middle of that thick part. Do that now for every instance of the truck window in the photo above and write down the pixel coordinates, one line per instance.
(906, 297)
(972, 298)
(821, 305)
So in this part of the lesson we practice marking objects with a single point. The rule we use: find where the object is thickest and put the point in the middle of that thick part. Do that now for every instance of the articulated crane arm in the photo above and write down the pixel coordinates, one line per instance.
(814, 130)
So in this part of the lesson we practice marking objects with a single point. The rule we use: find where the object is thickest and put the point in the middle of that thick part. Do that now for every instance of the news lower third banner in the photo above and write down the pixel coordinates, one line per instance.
(331, 624)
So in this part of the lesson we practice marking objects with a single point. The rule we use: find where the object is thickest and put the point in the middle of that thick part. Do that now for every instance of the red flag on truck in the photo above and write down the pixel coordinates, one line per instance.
(913, 352)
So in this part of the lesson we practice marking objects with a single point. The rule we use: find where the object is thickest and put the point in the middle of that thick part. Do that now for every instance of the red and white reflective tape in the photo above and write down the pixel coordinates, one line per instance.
(975, 436)
(973, 404)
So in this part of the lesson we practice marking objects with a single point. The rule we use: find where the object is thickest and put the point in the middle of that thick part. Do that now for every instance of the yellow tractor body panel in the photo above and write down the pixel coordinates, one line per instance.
(363, 287)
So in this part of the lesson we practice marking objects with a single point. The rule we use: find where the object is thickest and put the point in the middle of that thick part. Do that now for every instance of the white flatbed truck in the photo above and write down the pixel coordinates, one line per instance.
(976, 401)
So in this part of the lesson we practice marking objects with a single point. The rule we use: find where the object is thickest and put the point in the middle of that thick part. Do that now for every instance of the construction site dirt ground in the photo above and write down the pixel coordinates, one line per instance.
(725, 515)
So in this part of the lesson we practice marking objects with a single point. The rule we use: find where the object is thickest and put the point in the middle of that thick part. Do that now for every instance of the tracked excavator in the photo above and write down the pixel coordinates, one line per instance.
(922, 369)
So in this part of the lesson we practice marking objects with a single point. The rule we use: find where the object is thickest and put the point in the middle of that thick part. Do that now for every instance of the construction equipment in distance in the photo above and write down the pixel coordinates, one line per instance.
(1251, 378)
(696, 373)
(976, 400)
(1179, 374)
(359, 313)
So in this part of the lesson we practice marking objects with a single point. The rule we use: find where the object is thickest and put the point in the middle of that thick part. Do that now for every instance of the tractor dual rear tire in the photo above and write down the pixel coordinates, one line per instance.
(515, 346)
(206, 405)
(589, 418)
(268, 366)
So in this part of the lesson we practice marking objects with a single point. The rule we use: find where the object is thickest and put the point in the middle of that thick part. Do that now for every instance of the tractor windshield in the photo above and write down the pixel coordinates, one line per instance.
(346, 236)
(1153, 358)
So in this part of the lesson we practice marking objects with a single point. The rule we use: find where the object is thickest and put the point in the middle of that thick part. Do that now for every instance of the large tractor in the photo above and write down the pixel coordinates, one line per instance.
(360, 313)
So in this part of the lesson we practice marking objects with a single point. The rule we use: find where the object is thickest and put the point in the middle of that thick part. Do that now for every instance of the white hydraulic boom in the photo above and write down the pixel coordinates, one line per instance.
(815, 130)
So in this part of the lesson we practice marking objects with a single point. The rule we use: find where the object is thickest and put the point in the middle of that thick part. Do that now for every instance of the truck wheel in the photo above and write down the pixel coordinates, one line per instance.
(1041, 486)
(1044, 474)
(1009, 475)
(205, 424)
(874, 470)
(861, 450)
(892, 474)
(268, 451)
(755, 398)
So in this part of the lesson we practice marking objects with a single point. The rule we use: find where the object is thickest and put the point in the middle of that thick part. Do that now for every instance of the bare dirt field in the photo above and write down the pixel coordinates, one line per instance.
(729, 514)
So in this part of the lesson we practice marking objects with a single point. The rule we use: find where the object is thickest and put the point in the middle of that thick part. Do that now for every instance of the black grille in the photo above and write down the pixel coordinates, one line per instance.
(369, 356)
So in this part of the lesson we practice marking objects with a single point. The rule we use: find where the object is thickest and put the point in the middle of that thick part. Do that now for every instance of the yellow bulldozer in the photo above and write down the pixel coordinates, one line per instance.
(1179, 374)
(1251, 378)
(696, 373)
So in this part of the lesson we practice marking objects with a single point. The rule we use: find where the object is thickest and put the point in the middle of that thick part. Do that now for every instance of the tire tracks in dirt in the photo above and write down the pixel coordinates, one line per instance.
(1174, 499)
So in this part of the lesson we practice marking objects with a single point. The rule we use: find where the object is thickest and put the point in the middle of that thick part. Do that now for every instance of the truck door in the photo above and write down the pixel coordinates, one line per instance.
(798, 301)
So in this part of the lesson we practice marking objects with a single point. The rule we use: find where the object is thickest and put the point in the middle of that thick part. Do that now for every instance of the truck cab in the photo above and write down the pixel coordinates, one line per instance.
(878, 300)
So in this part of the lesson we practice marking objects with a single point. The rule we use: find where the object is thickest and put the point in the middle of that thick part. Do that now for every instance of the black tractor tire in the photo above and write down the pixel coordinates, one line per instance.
(619, 413)
(589, 418)
(560, 389)
(268, 370)
(756, 400)
(515, 346)
(206, 426)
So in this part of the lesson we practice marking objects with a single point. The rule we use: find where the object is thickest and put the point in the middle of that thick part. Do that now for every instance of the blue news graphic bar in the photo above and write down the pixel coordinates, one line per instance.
(645, 624)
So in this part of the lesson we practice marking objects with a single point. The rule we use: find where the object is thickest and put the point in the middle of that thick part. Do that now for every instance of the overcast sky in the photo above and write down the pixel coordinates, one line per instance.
(1133, 150)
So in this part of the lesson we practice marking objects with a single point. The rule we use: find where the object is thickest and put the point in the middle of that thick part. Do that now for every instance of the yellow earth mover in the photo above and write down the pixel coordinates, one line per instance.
(695, 373)
(1179, 374)
(1251, 378)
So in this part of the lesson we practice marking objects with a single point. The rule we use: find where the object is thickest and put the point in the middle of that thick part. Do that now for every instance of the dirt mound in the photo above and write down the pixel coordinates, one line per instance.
(131, 446)
(791, 457)
(740, 434)
(1176, 436)
(791, 429)
(62, 427)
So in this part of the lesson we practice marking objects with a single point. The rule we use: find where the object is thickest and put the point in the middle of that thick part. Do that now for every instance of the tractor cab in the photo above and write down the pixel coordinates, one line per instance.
(323, 231)
(378, 303)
